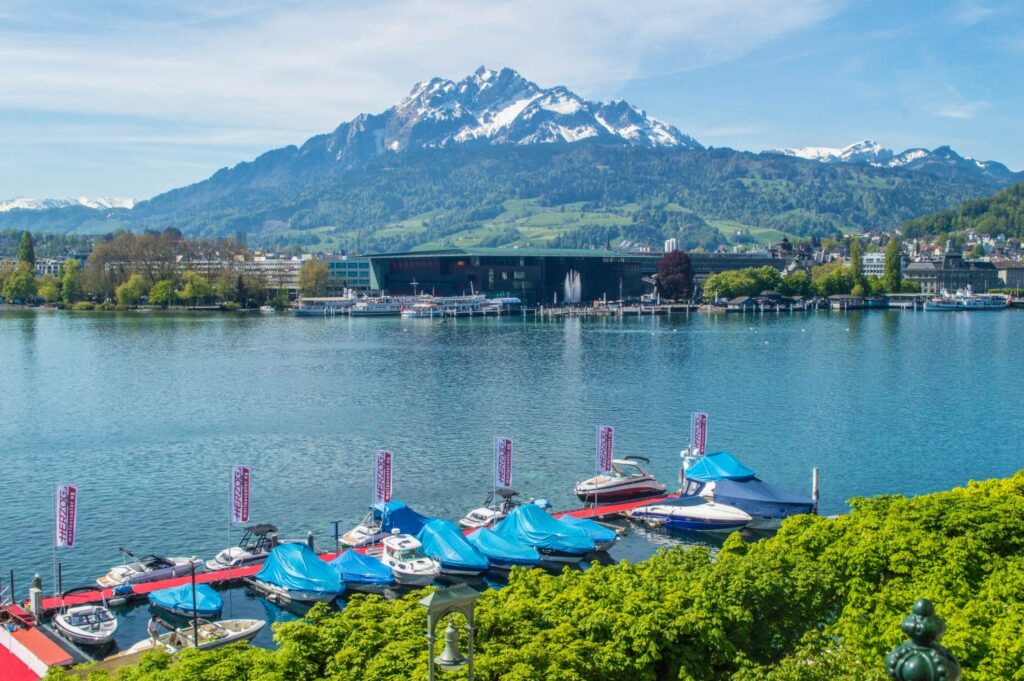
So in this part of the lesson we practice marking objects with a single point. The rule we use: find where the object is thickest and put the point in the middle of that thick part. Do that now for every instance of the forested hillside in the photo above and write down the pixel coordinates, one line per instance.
(1001, 213)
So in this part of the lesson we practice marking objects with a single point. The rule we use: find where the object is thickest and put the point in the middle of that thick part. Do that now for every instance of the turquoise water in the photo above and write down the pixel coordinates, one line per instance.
(147, 413)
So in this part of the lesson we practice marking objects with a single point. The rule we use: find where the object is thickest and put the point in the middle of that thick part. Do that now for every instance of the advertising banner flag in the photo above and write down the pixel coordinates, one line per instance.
(382, 476)
(65, 515)
(240, 477)
(503, 462)
(605, 448)
(699, 431)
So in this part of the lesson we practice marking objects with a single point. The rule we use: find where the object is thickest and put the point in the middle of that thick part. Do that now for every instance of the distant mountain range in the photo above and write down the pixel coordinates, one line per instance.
(495, 159)
(100, 203)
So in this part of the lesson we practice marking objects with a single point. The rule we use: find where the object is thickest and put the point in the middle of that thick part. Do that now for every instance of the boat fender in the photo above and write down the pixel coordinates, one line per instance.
(122, 590)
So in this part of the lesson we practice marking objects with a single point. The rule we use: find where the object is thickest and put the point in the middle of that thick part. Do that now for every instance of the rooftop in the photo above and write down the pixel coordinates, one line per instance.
(513, 252)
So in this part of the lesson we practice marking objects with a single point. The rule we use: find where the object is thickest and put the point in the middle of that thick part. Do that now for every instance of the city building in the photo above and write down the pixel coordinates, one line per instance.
(873, 264)
(671, 245)
(952, 272)
(1010, 272)
(348, 272)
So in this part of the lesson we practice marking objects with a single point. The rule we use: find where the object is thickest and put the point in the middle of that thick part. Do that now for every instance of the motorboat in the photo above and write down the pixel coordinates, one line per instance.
(88, 624)
(256, 542)
(147, 569)
(266, 309)
(554, 540)
(721, 477)
(499, 503)
(627, 480)
(403, 554)
(964, 299)
(603, 536)
(381, 521)
(211, 635)
(361, 572)
(502, 553)
(178, 600)
(443, 541)
(293, 572)
(691, 514)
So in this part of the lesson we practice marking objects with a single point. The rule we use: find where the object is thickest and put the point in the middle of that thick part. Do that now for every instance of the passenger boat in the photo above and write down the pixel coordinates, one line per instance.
(381, 521)
(462, 306)
(293, 572)
(87, 624)
(443, 541)
(498, 504)
(502, 553)
(402, 553)
(692, 514)
(603, 536)
(376, 307)
(211, 635)
(423, 310)
(963, 299)
(627, 480)
(361, 572)
(147, 569)
(178, 600)
(720, 477)
(554, 540)
(252, 548)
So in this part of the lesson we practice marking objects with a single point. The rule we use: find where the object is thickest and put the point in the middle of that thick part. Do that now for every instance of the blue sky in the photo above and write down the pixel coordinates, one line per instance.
(130, 99)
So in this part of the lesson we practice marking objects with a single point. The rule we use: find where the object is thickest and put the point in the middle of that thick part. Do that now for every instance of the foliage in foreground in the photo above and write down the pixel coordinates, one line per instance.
(821, 600)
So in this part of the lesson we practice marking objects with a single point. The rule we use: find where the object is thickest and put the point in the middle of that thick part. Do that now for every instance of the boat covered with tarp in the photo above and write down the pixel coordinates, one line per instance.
(502, 553)
(443, 541)
(604, 537)
(178, 599)
(361, 572)
(555, 540)
(294, 572)
(382, 520)
(721, 477)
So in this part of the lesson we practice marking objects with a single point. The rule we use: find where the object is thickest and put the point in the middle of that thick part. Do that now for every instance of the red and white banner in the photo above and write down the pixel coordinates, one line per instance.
(65, 514)
(605, 448)
(382, 477)
(699, 431)
(240, 477)
(502, 462)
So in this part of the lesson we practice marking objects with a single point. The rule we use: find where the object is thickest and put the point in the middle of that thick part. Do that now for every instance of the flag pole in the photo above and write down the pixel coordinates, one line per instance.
(53, 538)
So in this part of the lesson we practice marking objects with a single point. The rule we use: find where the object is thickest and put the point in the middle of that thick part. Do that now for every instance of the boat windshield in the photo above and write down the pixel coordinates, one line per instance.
(407, 555)
(626, 469)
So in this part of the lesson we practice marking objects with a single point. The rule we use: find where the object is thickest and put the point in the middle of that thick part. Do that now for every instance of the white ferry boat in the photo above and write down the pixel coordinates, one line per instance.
(424, 309)
(462, 306)
(377, 307)
(963, 299)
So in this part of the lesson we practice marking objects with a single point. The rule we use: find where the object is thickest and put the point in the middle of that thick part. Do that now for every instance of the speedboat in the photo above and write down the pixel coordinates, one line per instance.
(603, 536)
(211, 635)
(86, 624)
(254, 546)
(555, 541)
(266, 309)
(293, 572)
(403, 554)
(147, 569)
(361, 572)
(443, 541)
(721, 477)
(493, 509)
(691, 514)
(627, 480)
(502, 553)
(381, 521)
(179, 599)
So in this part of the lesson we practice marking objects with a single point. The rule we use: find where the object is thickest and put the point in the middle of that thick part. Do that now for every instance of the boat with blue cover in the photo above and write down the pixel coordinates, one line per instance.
(691, 514)
(443, 541)
(604, 537)
(178, 600)
(381, 521)
(293, 572)
(722, 478)
(502, 553)
(556, 541)
(361, 572)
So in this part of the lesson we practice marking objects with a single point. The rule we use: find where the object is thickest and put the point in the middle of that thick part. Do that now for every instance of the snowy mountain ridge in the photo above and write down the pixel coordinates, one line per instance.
(99, 203)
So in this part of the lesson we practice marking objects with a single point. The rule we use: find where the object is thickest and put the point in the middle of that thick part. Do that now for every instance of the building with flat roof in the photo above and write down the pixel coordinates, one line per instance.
(952, 272)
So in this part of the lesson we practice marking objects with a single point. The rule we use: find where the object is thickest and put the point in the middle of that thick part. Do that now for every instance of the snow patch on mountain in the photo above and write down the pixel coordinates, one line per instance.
(102, 202)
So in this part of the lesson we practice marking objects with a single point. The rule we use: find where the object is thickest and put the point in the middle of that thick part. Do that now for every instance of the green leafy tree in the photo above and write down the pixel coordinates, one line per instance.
(857, 264)
(26, 251)
(832, 279)
(161, 293)
(71, 281)
(796, 284)
(196, 288)
(130, 292)
(675, 276)
(20, 284)
(893, 266)
(977, 251)
(313, 277)
(48, 288)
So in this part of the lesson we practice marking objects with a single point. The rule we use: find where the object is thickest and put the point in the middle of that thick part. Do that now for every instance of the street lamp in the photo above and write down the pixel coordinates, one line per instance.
(443, 603)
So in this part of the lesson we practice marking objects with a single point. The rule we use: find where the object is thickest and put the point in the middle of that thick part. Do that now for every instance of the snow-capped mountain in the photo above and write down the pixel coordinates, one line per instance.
(102, 202)
(865, 151)
(496, 107)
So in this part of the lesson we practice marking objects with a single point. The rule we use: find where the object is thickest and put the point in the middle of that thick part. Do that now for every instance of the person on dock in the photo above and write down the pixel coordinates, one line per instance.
(153, 627)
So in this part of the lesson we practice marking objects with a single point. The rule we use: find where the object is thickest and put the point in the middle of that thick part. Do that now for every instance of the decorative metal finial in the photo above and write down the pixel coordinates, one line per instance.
(922, 658)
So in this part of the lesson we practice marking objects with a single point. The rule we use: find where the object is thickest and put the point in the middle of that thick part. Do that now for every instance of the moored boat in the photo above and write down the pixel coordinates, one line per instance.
(692, 514)
(627, 480)
(147, 569)
(252, 548)
(502, 553)
(361, 572)
(498, 504)
(293, 572)
(554, 540)
(443, 541)
(211, 635)
(88, 624)
(402, 553)
(964, 299)
(376, 307)
(179, 599)
(381, 521)
(603, 536)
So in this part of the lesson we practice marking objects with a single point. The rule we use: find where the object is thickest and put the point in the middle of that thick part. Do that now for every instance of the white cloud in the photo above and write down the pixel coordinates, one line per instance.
(961, 110)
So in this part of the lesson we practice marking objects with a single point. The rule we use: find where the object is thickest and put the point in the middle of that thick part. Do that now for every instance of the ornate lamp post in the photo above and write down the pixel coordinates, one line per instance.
(922, 658)
(441, 603)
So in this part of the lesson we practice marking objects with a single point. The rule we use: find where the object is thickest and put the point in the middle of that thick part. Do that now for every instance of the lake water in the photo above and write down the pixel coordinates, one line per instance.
(147, 413)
